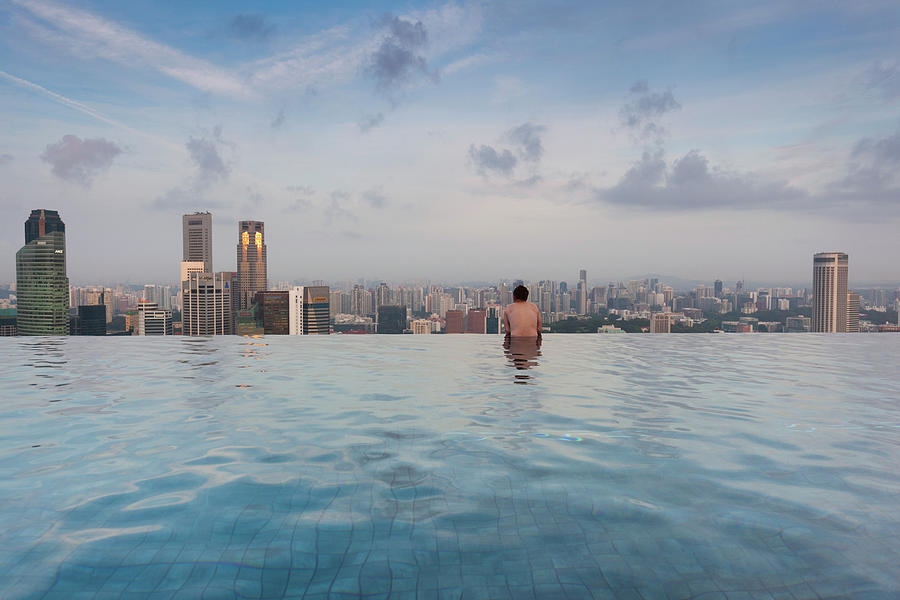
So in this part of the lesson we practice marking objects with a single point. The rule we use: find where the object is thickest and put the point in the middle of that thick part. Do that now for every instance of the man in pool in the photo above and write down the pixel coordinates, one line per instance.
(522, 319)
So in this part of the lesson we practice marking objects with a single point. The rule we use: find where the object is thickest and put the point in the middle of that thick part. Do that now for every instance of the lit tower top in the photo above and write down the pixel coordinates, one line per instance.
(251, 261)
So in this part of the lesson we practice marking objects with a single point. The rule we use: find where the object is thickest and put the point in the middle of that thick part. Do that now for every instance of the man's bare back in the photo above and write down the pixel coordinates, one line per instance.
(522, 319)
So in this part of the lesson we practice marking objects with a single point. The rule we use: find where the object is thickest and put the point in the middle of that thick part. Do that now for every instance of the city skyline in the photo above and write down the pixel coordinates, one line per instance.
(416, 141)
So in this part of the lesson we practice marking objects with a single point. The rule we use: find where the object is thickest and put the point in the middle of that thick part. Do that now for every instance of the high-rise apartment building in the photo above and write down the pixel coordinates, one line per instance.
(197, 239)
(830, 292)
(251, 261)
(852, 312)
(42, 287)
(152, 320)
(309, 314)
(207, 304)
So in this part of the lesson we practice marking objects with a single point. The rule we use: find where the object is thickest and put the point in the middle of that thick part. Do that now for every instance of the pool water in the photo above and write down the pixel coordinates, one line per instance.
(631, 466)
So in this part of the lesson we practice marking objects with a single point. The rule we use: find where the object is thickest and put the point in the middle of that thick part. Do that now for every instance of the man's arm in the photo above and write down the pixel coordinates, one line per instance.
(540, 323)
(506, 320)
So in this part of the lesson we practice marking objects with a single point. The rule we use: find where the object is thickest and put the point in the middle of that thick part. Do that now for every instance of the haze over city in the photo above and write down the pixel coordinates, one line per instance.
(461, 141)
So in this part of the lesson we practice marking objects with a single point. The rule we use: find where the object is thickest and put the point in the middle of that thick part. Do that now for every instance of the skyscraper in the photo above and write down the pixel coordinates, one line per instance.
(718, 288)
(251, 261)
(41, 283)
(309, 314)
(197, 239)
(830, 292)
(206, 304)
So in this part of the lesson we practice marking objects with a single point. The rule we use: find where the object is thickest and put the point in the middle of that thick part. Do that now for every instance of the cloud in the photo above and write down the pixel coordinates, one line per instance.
(375, 198)
(88, 35)
(279, 119)
(528, 137)
(642, 112)
(78, 160)
(371, 121)
(399, 57)
(250, 27)
(303, 197)
(205, 154)
(5, 159)
(488, 160)
(337, 208)
(689, 183)
(873, 172)
(525, 148)
(884, 79)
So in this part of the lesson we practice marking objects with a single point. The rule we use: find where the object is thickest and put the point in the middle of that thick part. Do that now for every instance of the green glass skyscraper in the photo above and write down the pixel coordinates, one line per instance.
(41, 283)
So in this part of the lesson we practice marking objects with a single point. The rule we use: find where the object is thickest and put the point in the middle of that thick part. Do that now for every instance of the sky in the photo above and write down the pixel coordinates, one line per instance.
(457, 141)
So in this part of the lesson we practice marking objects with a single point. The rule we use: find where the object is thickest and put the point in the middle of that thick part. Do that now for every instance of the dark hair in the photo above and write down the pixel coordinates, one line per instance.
(520, 293)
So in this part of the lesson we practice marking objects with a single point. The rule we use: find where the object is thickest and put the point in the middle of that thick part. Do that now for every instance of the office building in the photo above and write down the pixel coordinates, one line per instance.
(197, 239)
(455, 321)
(852, 312)
(391, 319)
(8, 322)
(42, 287)
(91, 320)
(273, 312)
(830, 270)
(207, 304)
(152, 320)
(718, 288)
(660, 323)
(191, 266)
(476, 321)
(309, 313)
(251, 261)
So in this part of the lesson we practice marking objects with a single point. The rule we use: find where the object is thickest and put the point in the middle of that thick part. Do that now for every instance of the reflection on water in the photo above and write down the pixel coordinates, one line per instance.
(522, 353)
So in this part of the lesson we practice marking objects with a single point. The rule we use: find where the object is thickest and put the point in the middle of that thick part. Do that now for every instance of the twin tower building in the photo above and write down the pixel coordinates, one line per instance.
(236, 302)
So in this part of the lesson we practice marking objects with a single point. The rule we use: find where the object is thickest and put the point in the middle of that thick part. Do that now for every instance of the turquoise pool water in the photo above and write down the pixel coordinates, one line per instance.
(632, 466)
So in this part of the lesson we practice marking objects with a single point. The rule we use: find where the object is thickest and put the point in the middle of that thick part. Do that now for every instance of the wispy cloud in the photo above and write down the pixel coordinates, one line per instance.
(98, 37)
(5, 159)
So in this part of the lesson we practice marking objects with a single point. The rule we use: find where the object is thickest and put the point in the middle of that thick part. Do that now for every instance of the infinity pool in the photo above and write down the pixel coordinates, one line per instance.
(631, 466)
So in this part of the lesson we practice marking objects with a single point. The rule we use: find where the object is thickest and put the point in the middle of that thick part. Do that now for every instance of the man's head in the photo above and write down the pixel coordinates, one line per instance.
(520, 294)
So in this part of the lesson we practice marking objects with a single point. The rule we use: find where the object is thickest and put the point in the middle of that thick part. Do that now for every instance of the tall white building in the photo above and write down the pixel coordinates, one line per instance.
(308, 310)
(830, 292)
(207, 306)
